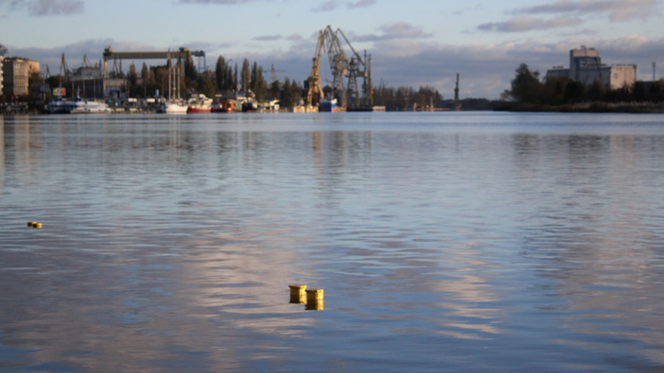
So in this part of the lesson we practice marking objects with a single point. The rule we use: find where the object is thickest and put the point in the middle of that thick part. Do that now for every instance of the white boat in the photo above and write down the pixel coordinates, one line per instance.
(57, 106)
(81, 106)
(173, 107)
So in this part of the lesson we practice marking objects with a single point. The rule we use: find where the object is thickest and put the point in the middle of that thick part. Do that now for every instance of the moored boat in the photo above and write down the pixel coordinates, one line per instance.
(328, 105)
(228, 106)
(199, 105)
(173, 107)
(249, 106)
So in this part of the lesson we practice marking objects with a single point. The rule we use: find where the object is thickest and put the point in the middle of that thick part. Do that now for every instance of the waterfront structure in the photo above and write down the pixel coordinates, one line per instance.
(585, 66)
(15, 74)
(89, 78)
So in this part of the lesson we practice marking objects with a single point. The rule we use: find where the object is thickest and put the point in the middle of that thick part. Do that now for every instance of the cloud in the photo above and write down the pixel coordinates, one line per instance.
(268, 38)
(294, 37)
(395, 31)
(46, 7)
(618, 10)
(327, 6)
(361, 4)
(215, 2)
(525, 23)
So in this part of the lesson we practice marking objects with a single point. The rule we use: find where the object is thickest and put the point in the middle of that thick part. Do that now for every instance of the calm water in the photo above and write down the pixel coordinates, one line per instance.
(444, 242)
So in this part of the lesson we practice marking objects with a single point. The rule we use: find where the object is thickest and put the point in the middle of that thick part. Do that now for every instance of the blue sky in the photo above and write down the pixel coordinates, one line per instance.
(413, 43)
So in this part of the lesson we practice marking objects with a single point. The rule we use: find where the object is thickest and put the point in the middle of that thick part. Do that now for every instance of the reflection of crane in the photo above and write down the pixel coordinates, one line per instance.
(315, 91)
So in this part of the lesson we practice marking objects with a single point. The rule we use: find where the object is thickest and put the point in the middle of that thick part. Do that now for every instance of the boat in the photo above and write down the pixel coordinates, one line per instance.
(83, 106)
(199, 105)
(57, 106)
(173, 107)
(229, 106)
(249, 106)
(327, 105)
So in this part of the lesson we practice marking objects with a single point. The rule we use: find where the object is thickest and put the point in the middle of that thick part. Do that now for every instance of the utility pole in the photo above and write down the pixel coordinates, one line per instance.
(654, 71)
(457, 104)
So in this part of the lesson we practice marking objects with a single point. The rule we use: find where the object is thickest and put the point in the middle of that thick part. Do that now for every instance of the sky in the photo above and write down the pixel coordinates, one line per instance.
(412, 42)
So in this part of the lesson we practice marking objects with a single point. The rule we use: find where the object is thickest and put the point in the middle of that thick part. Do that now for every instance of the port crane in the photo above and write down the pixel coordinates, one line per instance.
(345, 71)
(315, 91)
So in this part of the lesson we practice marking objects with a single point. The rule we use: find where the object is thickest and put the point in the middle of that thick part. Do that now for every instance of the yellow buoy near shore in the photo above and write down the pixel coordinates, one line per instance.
(315, 294)
(36, 225)
(297, 294)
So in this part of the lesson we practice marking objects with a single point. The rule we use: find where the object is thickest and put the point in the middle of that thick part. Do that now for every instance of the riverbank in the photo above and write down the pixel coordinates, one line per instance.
(595, 107)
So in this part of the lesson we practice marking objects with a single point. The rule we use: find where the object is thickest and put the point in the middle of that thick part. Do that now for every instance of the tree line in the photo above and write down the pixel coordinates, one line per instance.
(528, 88)
(406, 98)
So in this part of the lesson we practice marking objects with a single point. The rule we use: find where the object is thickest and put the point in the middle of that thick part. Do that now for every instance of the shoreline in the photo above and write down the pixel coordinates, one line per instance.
(595, 107)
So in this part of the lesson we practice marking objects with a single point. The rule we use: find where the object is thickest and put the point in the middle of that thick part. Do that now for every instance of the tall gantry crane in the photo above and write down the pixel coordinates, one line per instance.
(345, 71)
(315, 92)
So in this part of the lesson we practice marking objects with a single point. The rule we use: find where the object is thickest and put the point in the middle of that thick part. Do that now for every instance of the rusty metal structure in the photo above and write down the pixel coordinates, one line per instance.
(345, 70)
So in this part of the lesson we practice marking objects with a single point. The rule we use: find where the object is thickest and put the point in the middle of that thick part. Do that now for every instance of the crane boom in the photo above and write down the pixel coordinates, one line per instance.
(315, 91)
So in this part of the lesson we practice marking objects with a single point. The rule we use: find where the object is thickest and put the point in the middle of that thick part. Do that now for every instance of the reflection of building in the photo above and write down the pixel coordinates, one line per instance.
(585, 66)
(15, 73)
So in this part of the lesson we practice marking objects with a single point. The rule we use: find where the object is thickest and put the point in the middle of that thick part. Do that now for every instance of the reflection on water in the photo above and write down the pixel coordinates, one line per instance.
(454, 242)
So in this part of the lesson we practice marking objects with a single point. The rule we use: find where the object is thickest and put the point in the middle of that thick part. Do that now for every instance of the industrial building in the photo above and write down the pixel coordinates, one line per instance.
(585, 66)
(15, 75)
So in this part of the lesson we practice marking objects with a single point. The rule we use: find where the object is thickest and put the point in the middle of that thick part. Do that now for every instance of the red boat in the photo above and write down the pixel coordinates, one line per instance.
(199, 105)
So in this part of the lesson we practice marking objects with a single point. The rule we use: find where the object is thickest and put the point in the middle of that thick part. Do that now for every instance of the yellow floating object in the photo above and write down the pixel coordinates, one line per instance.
(314, 294)
(36, 225)
(31, 223)
(297, 289)
(315, 305)
(297, 294)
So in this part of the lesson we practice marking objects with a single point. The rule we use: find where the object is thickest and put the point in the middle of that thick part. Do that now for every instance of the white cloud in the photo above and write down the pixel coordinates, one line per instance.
(618, 10)
(395, 31)
(327, 6)
(525, 23)
(362, 4)
(46, 7)
(268, 38)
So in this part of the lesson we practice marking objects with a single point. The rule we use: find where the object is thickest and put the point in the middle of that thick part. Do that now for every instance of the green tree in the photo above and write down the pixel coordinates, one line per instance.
(526, 86)
(574, 92)
(553, 91)
(190, 69)
(221, 73)
(596, 91)
(246, 75)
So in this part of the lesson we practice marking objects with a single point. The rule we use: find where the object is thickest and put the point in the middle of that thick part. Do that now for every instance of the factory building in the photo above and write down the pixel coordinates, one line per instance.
(585, 66)
(15, 74)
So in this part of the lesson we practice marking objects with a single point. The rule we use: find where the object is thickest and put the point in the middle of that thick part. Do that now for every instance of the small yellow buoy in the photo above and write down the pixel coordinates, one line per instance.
(36, 225)
(314, 294)
(31, 223)
(297, 294)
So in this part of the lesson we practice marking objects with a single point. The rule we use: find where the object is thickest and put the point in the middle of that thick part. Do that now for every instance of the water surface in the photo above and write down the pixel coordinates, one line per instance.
(444, 242)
